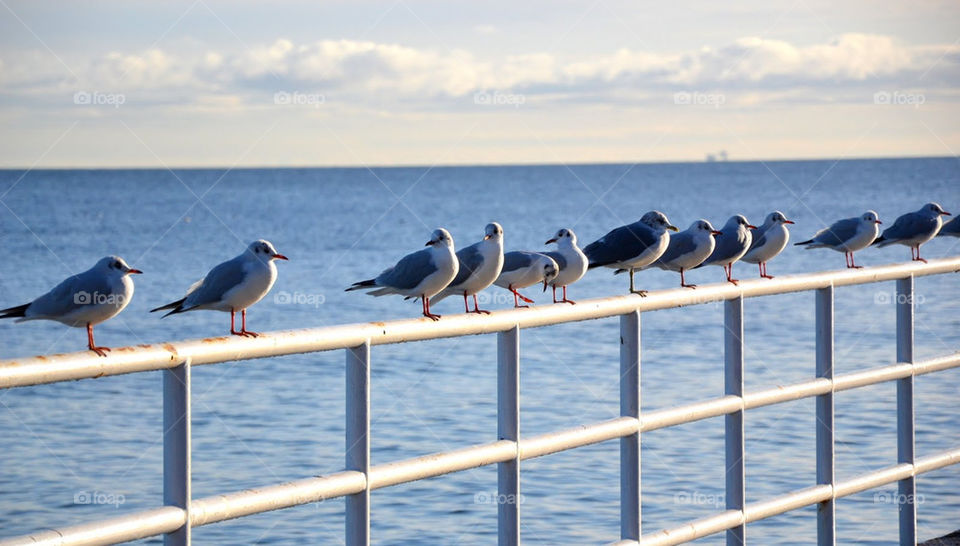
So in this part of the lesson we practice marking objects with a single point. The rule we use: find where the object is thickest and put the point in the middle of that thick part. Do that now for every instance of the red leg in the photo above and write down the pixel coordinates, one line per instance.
(243, 324)
(565, 300)
(102, 351)
(555, 295)
(516, 295)
(466, 307)
(426, 309)
(476, 307)
(918, 258)
(853, 263)
(763, 272)
(729, 269)
(684, 282)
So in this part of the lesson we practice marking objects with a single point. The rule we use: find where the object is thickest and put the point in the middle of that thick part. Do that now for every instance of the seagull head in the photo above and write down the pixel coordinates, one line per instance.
(440, 238)
(563, 236)
(739, 221)
(658, 221)
(777, 217)
(493, 231)
(934, 209)
(701, 227)
(116, 266)
(550, 271)
(263, 250)
(870, 217)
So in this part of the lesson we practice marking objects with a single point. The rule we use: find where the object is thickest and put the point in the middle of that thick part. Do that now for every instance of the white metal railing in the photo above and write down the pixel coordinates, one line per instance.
(181, 512)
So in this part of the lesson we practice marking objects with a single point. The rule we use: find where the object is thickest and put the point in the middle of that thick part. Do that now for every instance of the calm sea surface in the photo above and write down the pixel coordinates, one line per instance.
(273, 420)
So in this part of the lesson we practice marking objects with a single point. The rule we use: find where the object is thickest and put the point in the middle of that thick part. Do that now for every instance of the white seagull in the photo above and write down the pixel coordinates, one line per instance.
(522, 269)
(731, 245)
(232, 286)
(848, 236)
(87, 299)
(632, 247)
(950, 229)
(914, 228)
(480, 265)
(688, 249)
(422, 274)
(768, 241)
(571, 261)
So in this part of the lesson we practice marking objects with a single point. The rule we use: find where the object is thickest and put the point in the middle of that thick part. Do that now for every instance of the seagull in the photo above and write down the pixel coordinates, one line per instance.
(87, 299)
(571, 261)
(731, 245)
(768, 241)
(422, 274)
(950, 229)
(632, 247)
(688, 249)
(522, 269)
(914, 228)
(232, 286)
(480, 264)
(848, 236)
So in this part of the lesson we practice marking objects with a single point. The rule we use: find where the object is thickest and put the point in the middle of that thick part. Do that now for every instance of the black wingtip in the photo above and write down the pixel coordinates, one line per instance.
(362, 284)
(801, 243)
(176, 306)
(14, 312)
(879, 239)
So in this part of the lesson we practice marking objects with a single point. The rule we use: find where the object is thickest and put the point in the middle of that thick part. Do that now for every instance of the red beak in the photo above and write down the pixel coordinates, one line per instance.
(550, 241)
(789, 222)
(879, 222)
(135, 272)
(946, 213)
(751, 226)
(280, 257)
(715, 232)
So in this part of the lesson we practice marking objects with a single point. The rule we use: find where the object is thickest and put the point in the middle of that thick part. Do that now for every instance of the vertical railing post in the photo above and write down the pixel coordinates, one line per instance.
(733, 422)
(176, 447)
(508, 428)
(826, 511)
(630, 407)
(357, 453)
(907, 487)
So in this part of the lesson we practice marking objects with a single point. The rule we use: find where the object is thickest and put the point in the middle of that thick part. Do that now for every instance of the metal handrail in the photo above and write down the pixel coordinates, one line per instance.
(181, 512)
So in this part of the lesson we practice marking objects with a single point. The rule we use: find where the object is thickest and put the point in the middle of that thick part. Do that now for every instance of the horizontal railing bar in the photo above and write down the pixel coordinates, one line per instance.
(585, 435)
(437, 464)
(71, 366)
(132, 526)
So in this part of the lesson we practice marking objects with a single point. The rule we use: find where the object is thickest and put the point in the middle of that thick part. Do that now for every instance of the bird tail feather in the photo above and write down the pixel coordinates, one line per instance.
(15, 312)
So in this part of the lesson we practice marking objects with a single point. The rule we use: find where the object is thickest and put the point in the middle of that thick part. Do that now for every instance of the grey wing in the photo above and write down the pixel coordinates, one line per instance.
(70, 295)
(516, 260)
(557, 257)
(951, 228)
(409, 271)
(218, 281)
(839, 233)
(470, 261)
(680, 244)
(759, 239)
(623, 243)
(910, 225)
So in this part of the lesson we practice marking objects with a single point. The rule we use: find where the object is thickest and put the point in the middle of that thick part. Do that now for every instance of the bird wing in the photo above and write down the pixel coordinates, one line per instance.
(950, 228)
(218, 282)
(557, 257)
(517, 259)
(839, 233)
(680, 244)
(726, 247)
(71, 294)
(409, 271)
(759, 237)
(910, 225)
(470, 260)
(622, 243)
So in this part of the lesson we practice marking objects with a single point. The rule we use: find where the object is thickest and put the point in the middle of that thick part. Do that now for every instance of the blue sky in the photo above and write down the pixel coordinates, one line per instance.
(210, 83)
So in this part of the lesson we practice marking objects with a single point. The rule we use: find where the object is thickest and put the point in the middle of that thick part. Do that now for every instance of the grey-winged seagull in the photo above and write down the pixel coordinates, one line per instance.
(633, 246)
(422, 274)
(232, 286)
(480, 265)
(950, 229)
(768, 240)
(688, 249)
(848, 236)
(914, 228)
(731, 245)
(83, 300)
(571, 261)
(522, 269)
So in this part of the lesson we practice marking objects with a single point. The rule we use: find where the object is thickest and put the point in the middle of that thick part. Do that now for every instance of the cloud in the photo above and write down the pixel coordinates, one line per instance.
(370, 74)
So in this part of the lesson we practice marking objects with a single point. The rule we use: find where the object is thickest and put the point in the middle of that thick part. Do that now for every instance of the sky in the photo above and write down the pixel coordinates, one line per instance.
(210, 83)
